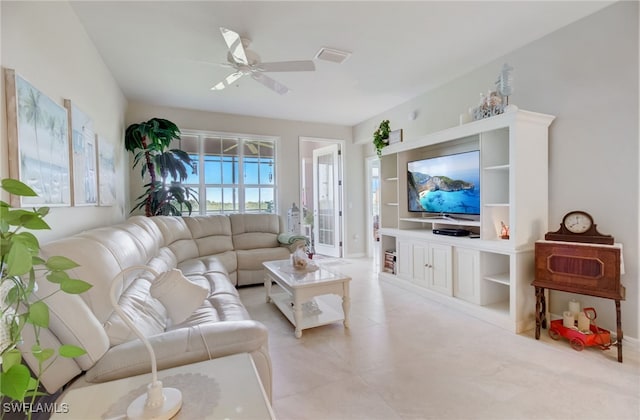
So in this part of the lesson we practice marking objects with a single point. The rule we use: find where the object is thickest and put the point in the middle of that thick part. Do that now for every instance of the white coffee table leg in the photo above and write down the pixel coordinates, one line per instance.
(297, 314)
(267, 286)
(297, 317)
(346, 304)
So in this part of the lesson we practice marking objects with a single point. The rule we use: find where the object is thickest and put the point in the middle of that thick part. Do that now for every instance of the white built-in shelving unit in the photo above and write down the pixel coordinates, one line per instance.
(487, 276)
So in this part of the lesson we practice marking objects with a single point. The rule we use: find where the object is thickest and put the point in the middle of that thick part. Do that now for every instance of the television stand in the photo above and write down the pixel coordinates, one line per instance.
(487, 277)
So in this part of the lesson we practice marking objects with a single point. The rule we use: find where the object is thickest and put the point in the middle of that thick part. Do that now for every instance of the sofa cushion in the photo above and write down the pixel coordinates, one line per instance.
(212, 234)
(121, 244)
(147, 313)
(218, 308)
(251, 231)
(72, 322)
(252, 259)
(177, 237)
(150, 227)
(220, 284)
(147, 242)
(228, 307)
(208, 264)
(164, 261)
(96, 265)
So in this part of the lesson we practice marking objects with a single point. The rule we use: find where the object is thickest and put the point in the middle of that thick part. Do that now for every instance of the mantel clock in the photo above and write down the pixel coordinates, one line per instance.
(578, 226)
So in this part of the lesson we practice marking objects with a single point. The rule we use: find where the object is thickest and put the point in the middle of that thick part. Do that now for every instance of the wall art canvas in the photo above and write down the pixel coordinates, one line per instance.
(106, 172)
(38, 143)
(84, 163)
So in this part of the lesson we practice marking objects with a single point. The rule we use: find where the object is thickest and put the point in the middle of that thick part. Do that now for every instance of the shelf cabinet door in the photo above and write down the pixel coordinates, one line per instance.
(420, 264)
(466, 275)
(439, 264)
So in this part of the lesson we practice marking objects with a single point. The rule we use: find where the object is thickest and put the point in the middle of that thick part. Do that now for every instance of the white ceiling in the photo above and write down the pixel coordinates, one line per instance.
(165, 52)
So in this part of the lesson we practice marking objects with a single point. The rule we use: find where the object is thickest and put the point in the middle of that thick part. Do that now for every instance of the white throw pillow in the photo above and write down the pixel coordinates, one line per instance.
(178, 295)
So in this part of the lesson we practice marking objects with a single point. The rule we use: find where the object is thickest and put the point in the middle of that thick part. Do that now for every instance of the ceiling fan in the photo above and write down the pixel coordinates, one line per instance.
(247, 63)
(251, 145)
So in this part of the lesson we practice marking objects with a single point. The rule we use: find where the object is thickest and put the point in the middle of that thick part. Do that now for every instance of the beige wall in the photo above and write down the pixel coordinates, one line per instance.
(585, 74)
(45, 44)
(288, 162)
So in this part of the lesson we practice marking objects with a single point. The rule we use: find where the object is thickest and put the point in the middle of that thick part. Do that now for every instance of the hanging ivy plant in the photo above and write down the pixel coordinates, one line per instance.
(381, 137)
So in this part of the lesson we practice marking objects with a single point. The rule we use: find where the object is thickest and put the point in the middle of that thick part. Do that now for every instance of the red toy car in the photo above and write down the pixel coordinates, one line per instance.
(579, 340)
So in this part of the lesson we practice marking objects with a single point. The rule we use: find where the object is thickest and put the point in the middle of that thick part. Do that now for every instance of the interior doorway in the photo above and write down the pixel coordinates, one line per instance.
(373, 204)
(321, 194)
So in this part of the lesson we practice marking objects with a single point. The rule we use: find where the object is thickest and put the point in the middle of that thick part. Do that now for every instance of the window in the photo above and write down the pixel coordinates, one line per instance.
(234, 173)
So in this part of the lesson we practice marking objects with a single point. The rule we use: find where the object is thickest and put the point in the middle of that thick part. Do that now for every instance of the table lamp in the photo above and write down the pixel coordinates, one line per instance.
(158, 403)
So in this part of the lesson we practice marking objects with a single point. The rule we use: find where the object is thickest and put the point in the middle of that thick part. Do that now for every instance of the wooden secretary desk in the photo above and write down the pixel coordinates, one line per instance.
(587, 269)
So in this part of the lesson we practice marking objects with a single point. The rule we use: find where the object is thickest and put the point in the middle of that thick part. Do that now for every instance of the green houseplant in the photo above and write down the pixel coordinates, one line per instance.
(19, 309)
(381, 137)
(149, 142)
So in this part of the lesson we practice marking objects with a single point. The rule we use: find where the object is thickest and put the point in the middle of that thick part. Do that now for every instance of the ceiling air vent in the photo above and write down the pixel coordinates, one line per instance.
(333, 55)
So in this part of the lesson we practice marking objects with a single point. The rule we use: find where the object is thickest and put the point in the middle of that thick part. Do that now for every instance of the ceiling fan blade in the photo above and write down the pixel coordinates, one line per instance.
(301, 65)
(233, 41)
(270, 83)
(233, 146)
(228, 81)
(252, 147)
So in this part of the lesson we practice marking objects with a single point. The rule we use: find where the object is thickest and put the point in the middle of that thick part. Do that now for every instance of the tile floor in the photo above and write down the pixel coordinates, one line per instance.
(407, 357)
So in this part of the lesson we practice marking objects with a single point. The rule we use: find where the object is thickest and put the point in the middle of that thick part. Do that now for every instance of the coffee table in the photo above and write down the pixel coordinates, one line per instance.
(302, 299)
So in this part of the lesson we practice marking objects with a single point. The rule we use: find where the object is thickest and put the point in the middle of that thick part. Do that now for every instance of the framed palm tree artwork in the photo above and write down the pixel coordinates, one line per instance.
(37, 130)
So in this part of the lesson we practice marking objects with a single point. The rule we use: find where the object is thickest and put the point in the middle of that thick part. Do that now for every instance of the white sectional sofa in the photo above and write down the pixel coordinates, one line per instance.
(217, 252)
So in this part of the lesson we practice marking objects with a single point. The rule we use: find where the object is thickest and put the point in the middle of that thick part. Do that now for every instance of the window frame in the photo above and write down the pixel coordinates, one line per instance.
(241, 139)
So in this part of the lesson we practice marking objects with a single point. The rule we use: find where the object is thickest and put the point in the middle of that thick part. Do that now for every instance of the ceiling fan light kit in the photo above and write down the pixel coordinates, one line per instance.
(247, 63)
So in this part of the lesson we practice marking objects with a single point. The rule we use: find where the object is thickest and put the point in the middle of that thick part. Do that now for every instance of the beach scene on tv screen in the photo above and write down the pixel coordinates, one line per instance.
(445, 184)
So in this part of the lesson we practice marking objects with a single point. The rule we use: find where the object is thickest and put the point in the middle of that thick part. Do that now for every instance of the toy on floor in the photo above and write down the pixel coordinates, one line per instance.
(590, 335)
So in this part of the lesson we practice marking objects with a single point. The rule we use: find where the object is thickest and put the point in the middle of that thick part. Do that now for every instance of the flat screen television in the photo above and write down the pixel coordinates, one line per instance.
(445, 185)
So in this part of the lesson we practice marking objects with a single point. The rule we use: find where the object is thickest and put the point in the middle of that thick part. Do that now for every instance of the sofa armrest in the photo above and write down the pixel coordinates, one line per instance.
(179, 347)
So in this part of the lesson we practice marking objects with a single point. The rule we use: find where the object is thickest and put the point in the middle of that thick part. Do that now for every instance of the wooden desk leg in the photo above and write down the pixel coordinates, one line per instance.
(543, 310)
(619, 330)
(540, 311)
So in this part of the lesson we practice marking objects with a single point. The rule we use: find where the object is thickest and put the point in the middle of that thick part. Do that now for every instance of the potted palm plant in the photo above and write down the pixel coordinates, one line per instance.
(167, 168)
(19, 308)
